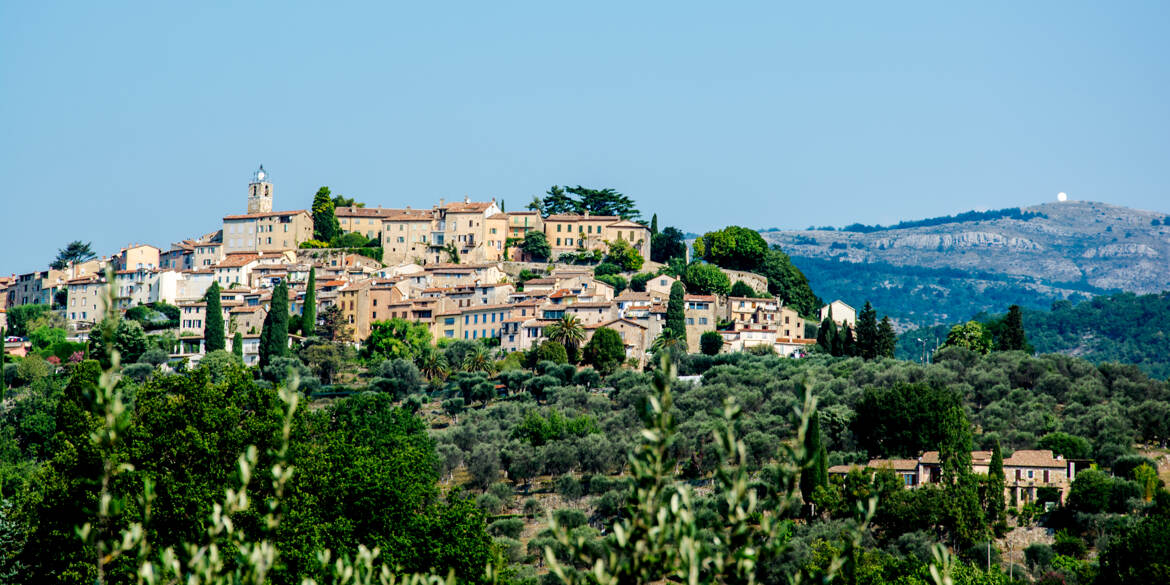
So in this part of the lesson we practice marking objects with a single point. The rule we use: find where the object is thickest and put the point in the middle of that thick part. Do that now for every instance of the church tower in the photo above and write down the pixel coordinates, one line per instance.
(260, 192)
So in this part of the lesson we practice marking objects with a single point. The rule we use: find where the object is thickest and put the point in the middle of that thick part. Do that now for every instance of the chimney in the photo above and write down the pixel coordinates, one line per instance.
(467, 199)
(441, 201)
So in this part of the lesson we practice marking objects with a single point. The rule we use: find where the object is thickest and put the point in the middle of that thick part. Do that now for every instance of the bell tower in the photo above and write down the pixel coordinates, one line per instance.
(260, 192)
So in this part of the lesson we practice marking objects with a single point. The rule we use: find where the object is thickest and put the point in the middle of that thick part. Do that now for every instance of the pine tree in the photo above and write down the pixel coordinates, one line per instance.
(676, 319)
(654, 225)
(238, 345)
(274, 336)
(1013, 338)
(309, 312)
(213, 336)
(996, 483)
(887, 340)
(867, 332)
(817, 474)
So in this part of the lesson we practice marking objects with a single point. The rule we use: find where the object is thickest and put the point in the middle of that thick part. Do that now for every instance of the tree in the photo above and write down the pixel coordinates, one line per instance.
(536, 246)
(568, 332)
(817, 473)
(551, 351)
(21, 316)
(624, 255)
(735, 247)
(238, 345)
(828, 335)
(537, 205)
(325, 359)
(654, 225)
(902, 420)
(432, 363)
(846, 346)
(1066, 445)
(1012, 338)
(886, 340)
(605, 350)
(397, 338)
(213, 334)
(556, 202)
(670, 243)
(787, 282)
(969, 335)
(478, 360)
(742, 289)
(603, 202)
(710, 342)
(995, 509)
(73, 252)
(867, 332)
(676, 318)
(130, 340)
(706, 279)
(274, 333)
(309, 310)
(325, 225)
(964, 516)
(333, 326)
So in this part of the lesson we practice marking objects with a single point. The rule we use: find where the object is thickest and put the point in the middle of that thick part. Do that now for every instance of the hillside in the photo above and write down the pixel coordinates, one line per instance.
(1122, 327)
(946, 269)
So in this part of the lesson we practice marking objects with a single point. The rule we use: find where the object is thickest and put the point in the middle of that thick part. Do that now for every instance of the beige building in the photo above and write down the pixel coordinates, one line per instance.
(206, 254)
(84, 305)
(571, 232)
(370, 300)
(137, 257)
(635, 336)
(406, 236)
(701, 315)
(274, 231)
(842, 313)
(752, 313)
(363, 220)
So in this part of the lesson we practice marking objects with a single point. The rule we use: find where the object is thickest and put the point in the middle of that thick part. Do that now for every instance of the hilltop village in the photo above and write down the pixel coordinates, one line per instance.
(465, 269)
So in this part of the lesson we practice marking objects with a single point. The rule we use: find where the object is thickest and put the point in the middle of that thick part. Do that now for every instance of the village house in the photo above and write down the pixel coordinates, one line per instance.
(701, 317)
(842, 313)
(569, 233)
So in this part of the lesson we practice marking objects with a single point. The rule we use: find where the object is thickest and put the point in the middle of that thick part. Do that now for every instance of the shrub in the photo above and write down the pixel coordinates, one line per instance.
(569, 487)
(711, 342)
(532, 508)
(488, 502)
(570, 518)
(509, 527)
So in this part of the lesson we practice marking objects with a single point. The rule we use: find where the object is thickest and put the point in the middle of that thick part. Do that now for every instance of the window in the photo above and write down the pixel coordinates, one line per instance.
(1030, 474)
(558, 229)
(702, 320)
(690, 320)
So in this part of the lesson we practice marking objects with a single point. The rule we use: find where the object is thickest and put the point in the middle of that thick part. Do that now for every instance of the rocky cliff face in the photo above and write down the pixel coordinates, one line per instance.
(1084, 242)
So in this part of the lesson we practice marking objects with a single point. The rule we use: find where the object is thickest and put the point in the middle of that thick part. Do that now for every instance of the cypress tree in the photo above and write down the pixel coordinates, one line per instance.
(654, 225)
(887, 340)
(274, 336)
(867, 332)
(238, 345)
(1013, 337)
(848, 346)
(827, 335)
(996, 483)
(961, 509)
(213, 336)
(676, 318)
(309, 313)
(817, 474)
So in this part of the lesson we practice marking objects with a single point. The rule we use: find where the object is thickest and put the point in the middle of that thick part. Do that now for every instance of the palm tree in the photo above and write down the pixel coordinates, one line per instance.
(568, 332)
(478, 360)
(432, 364)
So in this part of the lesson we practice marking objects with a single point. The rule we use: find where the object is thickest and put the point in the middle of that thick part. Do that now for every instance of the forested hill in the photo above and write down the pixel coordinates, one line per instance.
(1122, 327)
(947, 269)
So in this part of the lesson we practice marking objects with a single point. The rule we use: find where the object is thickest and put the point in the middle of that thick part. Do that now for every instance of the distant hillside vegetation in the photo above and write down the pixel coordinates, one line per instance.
(1121, 327)
(917, 296)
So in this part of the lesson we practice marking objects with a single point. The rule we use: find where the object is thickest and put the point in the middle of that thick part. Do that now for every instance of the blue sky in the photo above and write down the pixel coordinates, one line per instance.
(142, 123)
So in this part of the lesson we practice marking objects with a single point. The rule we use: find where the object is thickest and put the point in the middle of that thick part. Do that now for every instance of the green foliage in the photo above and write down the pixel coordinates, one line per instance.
(309, 309)
(706, 279)
(606, 269)
(1012, 337)
(539, 430)
(710, 342)
(580, 199)
(325, 225)
(969, 335)
(676, 323)
(670, 243)
(867, 332)
(903, 420)
(887, 339)
(397, 338)
(624, 255)
(567, 331)
(735, 247)
(238, 345)
(551, 351)
(618, 282)
(536, 246)
(19, 317)
(274, 332)
(213, 330)
(742, 289)
(638, 281)
(605, 350)
(74, 252)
